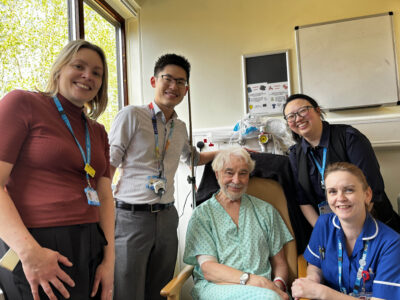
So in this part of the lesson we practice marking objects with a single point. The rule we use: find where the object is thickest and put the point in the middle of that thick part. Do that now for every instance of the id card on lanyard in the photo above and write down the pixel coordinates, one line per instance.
(321, 167)
(158, 183)
(323, 207)
(362, 275)
(91, 193)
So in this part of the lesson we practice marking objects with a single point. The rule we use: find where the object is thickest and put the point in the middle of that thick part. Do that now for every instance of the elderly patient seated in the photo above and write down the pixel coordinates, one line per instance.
(234, 240)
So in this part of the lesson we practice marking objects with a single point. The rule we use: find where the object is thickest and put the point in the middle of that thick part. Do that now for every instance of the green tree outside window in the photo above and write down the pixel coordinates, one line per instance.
(33, 32)
(102, 33)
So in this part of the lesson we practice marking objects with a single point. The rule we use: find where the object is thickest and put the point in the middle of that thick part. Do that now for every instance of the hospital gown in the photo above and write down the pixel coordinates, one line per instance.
(260, 235)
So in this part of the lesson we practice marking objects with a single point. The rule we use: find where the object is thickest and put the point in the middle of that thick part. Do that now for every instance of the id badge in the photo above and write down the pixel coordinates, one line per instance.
(92, 197)
(362, 295)
(324, 208)
(365, 296)
(157, 184)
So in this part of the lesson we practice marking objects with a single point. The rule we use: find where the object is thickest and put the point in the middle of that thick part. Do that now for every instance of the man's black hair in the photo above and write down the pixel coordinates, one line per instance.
(172, 59)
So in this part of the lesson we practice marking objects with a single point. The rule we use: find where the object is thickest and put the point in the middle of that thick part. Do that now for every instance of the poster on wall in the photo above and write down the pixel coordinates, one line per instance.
(267, 82)
(264, 98)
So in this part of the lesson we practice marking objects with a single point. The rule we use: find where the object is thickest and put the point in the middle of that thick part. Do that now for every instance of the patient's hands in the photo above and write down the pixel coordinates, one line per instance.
(307, 288)
(260, 281)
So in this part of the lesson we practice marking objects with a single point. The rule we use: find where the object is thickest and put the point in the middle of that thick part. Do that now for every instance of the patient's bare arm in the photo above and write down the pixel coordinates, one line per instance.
(280, 269)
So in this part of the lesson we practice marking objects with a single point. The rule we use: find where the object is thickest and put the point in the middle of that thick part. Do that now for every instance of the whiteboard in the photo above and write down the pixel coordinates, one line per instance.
(348, 63)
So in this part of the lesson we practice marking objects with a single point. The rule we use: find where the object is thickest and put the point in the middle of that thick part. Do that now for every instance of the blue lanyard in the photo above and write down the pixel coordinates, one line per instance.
(321, 168)
(159, 157)
(362, 263)
(87, 136)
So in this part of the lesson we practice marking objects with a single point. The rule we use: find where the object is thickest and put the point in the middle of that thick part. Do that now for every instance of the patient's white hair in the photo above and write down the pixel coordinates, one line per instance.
(226, 155)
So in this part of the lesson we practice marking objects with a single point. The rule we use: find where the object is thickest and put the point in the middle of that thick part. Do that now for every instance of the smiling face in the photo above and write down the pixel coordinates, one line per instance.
(233, 179)
(81, 78)
(310, 125)
(169, 94)
(346, 196)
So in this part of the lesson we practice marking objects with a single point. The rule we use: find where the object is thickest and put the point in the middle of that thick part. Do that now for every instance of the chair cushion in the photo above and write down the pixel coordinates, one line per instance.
(271, 191)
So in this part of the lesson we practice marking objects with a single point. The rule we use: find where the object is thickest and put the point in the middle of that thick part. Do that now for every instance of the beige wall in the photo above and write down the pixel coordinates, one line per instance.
(213, 34)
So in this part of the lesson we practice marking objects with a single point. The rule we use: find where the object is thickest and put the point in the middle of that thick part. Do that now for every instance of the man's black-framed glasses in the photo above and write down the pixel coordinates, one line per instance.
(180, 82)
(302, 112)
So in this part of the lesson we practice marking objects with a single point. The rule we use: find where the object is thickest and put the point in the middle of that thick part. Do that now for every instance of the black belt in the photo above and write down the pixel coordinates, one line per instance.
(153, 208)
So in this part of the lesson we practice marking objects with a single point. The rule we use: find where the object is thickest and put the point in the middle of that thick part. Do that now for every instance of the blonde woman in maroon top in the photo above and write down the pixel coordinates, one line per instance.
(56, 205)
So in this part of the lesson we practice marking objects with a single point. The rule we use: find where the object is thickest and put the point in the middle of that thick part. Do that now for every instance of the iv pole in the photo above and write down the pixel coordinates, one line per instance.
(191, 179)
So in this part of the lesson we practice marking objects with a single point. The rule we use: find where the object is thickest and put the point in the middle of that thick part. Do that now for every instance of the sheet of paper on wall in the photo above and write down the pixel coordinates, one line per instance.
(266, 98)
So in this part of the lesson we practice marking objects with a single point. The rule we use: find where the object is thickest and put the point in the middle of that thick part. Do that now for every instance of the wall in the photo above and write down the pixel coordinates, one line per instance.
(214, 34)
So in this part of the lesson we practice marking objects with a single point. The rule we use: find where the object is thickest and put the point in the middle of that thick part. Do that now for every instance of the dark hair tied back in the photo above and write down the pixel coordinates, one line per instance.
(300, 96)
(310, 100)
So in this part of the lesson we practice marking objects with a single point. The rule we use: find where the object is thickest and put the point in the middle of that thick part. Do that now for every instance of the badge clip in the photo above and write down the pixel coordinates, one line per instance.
(88, 169)
(322, 252)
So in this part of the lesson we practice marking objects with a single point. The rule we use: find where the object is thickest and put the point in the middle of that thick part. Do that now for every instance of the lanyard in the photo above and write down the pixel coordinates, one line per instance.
(321, 168)
(87, 168)
(159, 157)
(362, 263)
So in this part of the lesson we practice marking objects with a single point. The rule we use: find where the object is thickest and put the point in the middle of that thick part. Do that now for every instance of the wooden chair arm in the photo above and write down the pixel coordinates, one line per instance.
(301, 269)
(301, 266)
(173, 289)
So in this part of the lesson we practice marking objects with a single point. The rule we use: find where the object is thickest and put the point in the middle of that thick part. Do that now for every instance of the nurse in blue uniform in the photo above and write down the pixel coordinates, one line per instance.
(351, 255)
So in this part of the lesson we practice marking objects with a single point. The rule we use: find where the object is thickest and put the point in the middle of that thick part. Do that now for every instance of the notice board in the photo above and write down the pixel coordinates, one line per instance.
(348, 63)
(266, 81)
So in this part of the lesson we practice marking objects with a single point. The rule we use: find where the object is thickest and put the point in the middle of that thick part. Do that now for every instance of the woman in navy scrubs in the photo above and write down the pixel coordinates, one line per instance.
(353, 254)
(320, 144)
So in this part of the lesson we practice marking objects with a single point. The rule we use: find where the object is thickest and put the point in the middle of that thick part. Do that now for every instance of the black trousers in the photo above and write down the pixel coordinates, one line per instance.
(81, 244)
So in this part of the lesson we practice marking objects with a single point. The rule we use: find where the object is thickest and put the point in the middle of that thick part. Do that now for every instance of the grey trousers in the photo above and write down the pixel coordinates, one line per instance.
(146, 246)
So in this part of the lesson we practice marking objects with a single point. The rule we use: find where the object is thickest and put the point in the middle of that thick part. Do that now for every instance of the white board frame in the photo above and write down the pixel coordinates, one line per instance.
(349, 63)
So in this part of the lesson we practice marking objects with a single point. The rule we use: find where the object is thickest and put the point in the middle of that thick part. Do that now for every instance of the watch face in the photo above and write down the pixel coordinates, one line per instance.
(243, 278)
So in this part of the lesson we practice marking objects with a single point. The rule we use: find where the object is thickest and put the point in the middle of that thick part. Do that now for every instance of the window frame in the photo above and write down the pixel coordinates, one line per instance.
(76, 30)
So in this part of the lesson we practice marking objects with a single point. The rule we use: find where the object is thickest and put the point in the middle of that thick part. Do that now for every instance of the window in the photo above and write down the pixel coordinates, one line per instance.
(104, 31)
(33, 32)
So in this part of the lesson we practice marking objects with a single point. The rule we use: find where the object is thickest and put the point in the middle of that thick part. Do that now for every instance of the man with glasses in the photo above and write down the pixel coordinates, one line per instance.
(146, 143)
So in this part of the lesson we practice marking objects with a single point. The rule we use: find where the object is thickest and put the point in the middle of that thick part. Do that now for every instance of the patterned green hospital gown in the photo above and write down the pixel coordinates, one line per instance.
(260, 235)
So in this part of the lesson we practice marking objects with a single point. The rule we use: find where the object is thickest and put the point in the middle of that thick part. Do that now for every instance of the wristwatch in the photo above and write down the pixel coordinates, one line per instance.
(244, 278)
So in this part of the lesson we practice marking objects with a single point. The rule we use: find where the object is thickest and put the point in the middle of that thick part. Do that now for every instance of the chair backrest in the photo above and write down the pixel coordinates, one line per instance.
(271, 191)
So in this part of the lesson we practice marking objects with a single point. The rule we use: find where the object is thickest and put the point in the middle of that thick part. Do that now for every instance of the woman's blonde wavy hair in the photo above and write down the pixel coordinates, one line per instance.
(350, 168)
(96, 106)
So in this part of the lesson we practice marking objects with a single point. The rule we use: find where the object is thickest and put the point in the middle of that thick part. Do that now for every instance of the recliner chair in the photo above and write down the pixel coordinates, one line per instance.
(271, 191)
